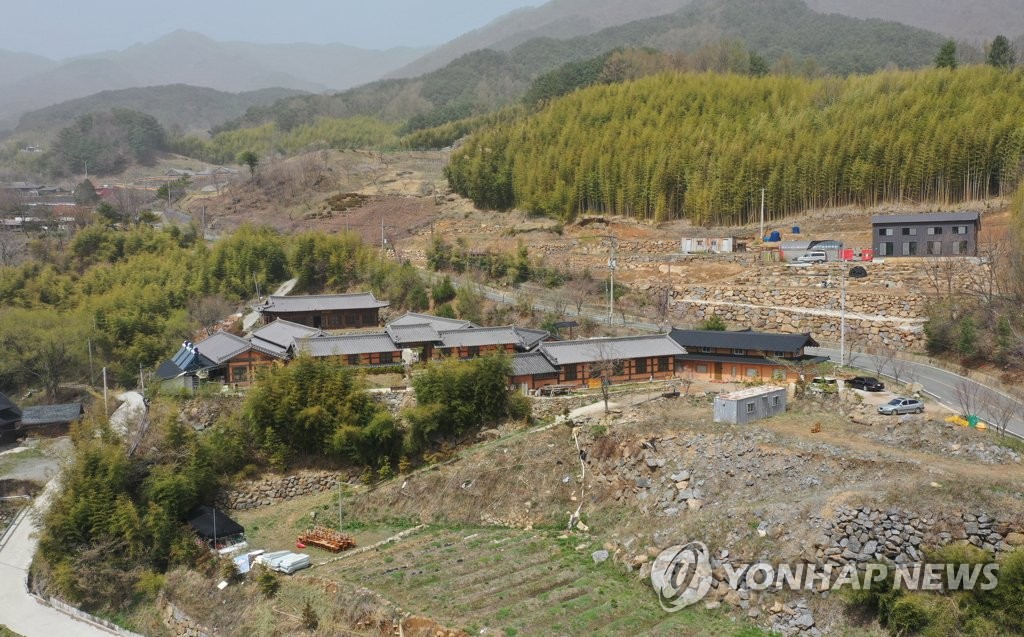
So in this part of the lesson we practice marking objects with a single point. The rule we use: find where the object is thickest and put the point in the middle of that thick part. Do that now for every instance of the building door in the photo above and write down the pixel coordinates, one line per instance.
(317, 322)
(718, 371)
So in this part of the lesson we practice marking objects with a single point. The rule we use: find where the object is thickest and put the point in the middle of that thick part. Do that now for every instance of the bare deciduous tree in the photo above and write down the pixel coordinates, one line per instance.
(209, 310)
(1001, 409)
(968, 395)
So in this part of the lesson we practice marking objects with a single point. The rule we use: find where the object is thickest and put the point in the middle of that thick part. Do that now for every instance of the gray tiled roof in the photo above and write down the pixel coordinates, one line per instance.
(481, 336)
(532, 337)
(346, 345)
(439, 323)
(928, 217)
(222, 346)
(51, 414)
(531, 364)
(280, 335)
(619, 348)
(413, 333)
(745, 340)
(322, 302)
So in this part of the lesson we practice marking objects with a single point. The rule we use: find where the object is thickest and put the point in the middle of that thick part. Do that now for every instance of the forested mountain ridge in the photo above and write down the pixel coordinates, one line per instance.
(482, 80)
(176, 106)
(701, 147)
(975, 22)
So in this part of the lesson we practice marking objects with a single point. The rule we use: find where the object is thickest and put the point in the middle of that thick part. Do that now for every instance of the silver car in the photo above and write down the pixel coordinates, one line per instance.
(900, 405)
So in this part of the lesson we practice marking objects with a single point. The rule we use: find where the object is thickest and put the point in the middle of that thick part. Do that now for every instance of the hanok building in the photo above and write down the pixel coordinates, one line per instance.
(223, 357)
(325, 311)
(744, 355)
(471, 343)
(356, 350)
(944, 234)
(587, 361)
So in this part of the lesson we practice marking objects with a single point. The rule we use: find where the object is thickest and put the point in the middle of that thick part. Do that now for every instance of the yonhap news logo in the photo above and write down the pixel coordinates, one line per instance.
(682, 575)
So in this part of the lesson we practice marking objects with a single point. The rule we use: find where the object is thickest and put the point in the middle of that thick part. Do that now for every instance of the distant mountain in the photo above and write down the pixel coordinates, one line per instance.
(190, 109)
(28, 83)
(17, 66)
(558, 19)
(976, 21)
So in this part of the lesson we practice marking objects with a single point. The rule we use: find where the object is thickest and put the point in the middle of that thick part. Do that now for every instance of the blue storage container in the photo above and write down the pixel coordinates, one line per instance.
(796, 229)
(774, 237)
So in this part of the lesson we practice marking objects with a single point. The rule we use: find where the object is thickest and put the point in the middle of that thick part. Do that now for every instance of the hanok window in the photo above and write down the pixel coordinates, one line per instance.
(386, 358)
(473, 352)
(702, 368)
(618, 368)
(663, 363)
(739, 352)
(753, 372)
(239, 374)
(706, 350)
(353, 359)
(570, 372)
(641, 366)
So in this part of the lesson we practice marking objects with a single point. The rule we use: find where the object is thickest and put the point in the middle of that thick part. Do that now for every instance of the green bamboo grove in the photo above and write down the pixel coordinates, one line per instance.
(702, 146)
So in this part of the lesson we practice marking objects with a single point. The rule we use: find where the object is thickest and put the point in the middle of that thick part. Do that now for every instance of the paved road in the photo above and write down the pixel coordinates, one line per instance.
(938, 382)
(21, 612)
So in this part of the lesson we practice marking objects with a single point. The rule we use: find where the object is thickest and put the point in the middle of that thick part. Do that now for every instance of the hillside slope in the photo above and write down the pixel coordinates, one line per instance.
(481, 80)
(559, 19)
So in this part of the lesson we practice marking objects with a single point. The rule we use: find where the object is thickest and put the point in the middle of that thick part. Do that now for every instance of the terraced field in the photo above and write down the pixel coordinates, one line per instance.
(519, 582)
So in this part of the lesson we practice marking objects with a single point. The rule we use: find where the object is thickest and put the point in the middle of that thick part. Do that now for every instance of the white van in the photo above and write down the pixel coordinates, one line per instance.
(814, 256)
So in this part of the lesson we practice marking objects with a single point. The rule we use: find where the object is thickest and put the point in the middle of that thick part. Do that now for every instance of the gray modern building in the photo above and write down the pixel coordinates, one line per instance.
(750, 404)
(944, 234)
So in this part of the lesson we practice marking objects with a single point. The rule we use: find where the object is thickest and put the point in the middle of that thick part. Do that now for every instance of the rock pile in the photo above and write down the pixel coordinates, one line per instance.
(272, 490)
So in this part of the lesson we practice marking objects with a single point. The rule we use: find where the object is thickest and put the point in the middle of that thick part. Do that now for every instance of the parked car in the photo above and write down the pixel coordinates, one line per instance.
(901, 405)
(814, 256)
(824, 385)
(867, 383)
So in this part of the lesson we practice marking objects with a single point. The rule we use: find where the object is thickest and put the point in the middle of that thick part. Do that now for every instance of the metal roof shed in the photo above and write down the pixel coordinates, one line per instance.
(750, 404)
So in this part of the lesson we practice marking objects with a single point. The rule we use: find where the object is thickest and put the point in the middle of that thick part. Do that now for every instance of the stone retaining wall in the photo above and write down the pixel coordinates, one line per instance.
(905, 334)
(180, 623)
(275, 489)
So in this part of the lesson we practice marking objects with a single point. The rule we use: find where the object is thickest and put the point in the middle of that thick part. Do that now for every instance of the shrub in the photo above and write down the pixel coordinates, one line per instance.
(268, 582)
(310, 620)
(907, 615)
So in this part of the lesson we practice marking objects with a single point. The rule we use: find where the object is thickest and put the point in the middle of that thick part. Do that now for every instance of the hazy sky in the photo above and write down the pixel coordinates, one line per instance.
(63, 28)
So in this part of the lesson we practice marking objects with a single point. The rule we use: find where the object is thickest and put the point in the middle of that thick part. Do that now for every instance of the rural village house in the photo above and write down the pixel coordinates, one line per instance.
(744, 355)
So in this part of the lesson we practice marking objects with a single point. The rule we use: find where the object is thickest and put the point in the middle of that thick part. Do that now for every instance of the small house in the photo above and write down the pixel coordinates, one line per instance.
(750, 404)
(745, 355)
(947, 234)
(713, 245)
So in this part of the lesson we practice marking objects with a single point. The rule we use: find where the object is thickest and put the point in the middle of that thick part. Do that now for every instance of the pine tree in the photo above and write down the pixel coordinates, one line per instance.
(1001, 54)
(946, 59)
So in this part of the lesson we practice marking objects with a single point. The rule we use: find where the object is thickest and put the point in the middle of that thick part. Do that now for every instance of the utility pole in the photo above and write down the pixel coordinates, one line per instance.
(611, 284)
(382, 236)
(339, 503)
(842, 313)
(106, 408)
(92, 374)
(142, 380)
(762, 214)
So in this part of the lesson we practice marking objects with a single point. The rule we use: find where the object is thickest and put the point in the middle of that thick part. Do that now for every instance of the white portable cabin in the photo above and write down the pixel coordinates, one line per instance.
(750, 404)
